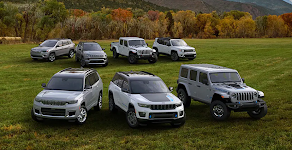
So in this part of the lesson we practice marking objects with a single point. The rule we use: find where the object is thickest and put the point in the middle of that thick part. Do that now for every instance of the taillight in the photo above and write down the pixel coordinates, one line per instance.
(110, 45)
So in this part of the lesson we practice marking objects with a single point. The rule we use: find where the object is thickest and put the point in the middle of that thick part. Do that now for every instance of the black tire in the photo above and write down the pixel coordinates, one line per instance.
(111, 104)
(34, 117)
(132, 118)
(258, 114)
(71, 53)
(76, 58)
(82, 117)
(177, 125)
(82, 62)
(132, 58)
(174, 56)
(219, 110)
(183, 96)
(99, 102)
(191, 58)
(153, 59)
(52, 57)
(115, 54)
(157, 52)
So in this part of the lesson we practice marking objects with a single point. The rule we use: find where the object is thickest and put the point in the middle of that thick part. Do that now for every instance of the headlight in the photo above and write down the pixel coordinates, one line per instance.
(179, 104)
(255, 94)
(233, 95)
(181, 50)
(72, 102)
(38, 100)
(143, 105)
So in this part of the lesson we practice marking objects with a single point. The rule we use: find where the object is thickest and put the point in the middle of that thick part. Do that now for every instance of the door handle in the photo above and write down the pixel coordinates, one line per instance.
(198, 86)
(190, 83)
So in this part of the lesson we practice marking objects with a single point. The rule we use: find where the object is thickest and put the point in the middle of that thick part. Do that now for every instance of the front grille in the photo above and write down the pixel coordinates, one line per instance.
(53, 112)
(50, 102)
(162, 107)
(188, 50)
(96, 56)
(96, 61)
(33, 53)
(245, 96)
(144, 52)
(163, 115)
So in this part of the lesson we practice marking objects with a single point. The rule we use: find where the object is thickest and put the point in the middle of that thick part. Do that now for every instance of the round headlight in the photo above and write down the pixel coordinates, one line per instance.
(233, 95)
(255, 93)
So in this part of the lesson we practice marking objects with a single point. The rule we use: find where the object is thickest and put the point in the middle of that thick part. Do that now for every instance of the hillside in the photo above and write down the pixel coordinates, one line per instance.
(95, 5)
(207, 6)
(279, 6)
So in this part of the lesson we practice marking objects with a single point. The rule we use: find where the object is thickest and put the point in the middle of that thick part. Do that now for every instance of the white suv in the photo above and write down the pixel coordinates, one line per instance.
(69, 95)
(145, 98)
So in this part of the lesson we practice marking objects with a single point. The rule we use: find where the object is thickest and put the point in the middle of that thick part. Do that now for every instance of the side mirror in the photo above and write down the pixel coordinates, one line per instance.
(147, 44)
(168, 44)
(125, 90)
(44, 85)
(87, 87)
(242, 80)
(103, 49)
(170, 89)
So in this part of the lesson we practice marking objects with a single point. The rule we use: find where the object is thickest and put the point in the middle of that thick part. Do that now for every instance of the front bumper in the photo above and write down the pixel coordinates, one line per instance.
(247, 106)
(96, 61)
(187, 55)
(67, 112)
(143, 56)
(39, 55)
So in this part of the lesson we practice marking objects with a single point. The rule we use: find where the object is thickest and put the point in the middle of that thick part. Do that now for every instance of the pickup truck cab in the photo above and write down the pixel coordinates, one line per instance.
(134, 48)
(176, 48)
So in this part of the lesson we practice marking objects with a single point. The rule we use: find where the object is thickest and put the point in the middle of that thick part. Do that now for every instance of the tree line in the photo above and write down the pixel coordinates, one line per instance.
(50, 19)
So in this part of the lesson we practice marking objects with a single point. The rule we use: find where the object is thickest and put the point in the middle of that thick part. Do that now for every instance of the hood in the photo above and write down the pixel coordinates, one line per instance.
(233, 88)
(94, 53)
(41, 48)
(59, 95)
(156, 98)
(184, 47)
(141, 48)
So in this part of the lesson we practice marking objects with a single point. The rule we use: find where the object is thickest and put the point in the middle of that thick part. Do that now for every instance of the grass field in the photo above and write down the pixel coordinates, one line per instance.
(266, 65)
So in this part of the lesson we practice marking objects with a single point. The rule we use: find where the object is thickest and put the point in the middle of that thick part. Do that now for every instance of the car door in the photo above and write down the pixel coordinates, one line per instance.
(65, 48)
(78, 51)
(121, 47)
(116, 89)
(203, 88)
(125, 49)
(124, 94)
(192, 83)
(58, 48)
(88, 95)
(95, 89)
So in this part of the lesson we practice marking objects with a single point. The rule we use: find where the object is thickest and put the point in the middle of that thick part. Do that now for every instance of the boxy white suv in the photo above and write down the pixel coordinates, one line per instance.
(220, 87)
(69, 95)
(145, 98)
(176, 48)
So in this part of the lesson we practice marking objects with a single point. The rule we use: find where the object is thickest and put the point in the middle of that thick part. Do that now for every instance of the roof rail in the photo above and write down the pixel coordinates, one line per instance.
(148, 73)
(65, 69)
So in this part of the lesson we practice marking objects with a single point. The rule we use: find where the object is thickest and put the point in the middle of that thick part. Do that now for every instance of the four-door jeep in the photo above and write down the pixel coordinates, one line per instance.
(69, 95)
(145, 98)
(52, 48)
(220, 87)
(134, 48)
(176, 48)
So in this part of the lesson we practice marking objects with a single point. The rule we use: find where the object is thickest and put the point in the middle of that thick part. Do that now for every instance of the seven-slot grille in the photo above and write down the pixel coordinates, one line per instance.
(144, 52)
(245, 96)
(162, 107)
(188, 50)
(53, 112)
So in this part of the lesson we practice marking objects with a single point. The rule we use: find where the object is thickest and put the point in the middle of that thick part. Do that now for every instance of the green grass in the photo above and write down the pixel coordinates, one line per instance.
(264, 63)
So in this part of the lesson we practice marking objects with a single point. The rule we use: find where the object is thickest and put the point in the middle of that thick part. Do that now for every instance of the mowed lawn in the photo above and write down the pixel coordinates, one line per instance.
(266, 65)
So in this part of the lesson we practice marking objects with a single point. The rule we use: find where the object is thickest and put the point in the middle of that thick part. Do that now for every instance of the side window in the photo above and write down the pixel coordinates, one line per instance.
(184, 72)
(126, 43)
(96, 77)
(121, 42)
(117, 80)
(193, 75)
(64, 43)
(126, 86)
(59, 44)
(203, 78)
(87, 81)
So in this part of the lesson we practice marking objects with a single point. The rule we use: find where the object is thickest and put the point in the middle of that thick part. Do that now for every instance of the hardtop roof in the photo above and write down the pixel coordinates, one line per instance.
(208, 68)
(131, 38)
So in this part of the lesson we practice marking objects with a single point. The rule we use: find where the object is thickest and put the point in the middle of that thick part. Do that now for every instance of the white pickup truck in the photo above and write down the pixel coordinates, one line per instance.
(134, 48)
(176, 48)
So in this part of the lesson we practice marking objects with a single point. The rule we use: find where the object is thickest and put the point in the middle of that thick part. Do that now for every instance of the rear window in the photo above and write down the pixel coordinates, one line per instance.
(184, 72)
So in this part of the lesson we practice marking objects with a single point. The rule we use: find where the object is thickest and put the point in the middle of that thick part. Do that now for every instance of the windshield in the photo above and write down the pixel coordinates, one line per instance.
(48, 43)
(143, 87)
(67, 84)
(91, 47)
(178, 42)
(224, 77)
(136, 42)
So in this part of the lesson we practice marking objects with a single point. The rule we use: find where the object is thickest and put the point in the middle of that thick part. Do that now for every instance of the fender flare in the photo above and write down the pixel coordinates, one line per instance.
(184, 85)
(117, 50)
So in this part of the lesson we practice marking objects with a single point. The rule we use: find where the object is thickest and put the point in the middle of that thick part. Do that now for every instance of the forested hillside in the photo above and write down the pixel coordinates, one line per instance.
(95, 5)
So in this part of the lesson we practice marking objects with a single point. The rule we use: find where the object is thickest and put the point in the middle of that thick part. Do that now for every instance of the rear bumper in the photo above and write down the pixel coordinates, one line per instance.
(250, 106)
